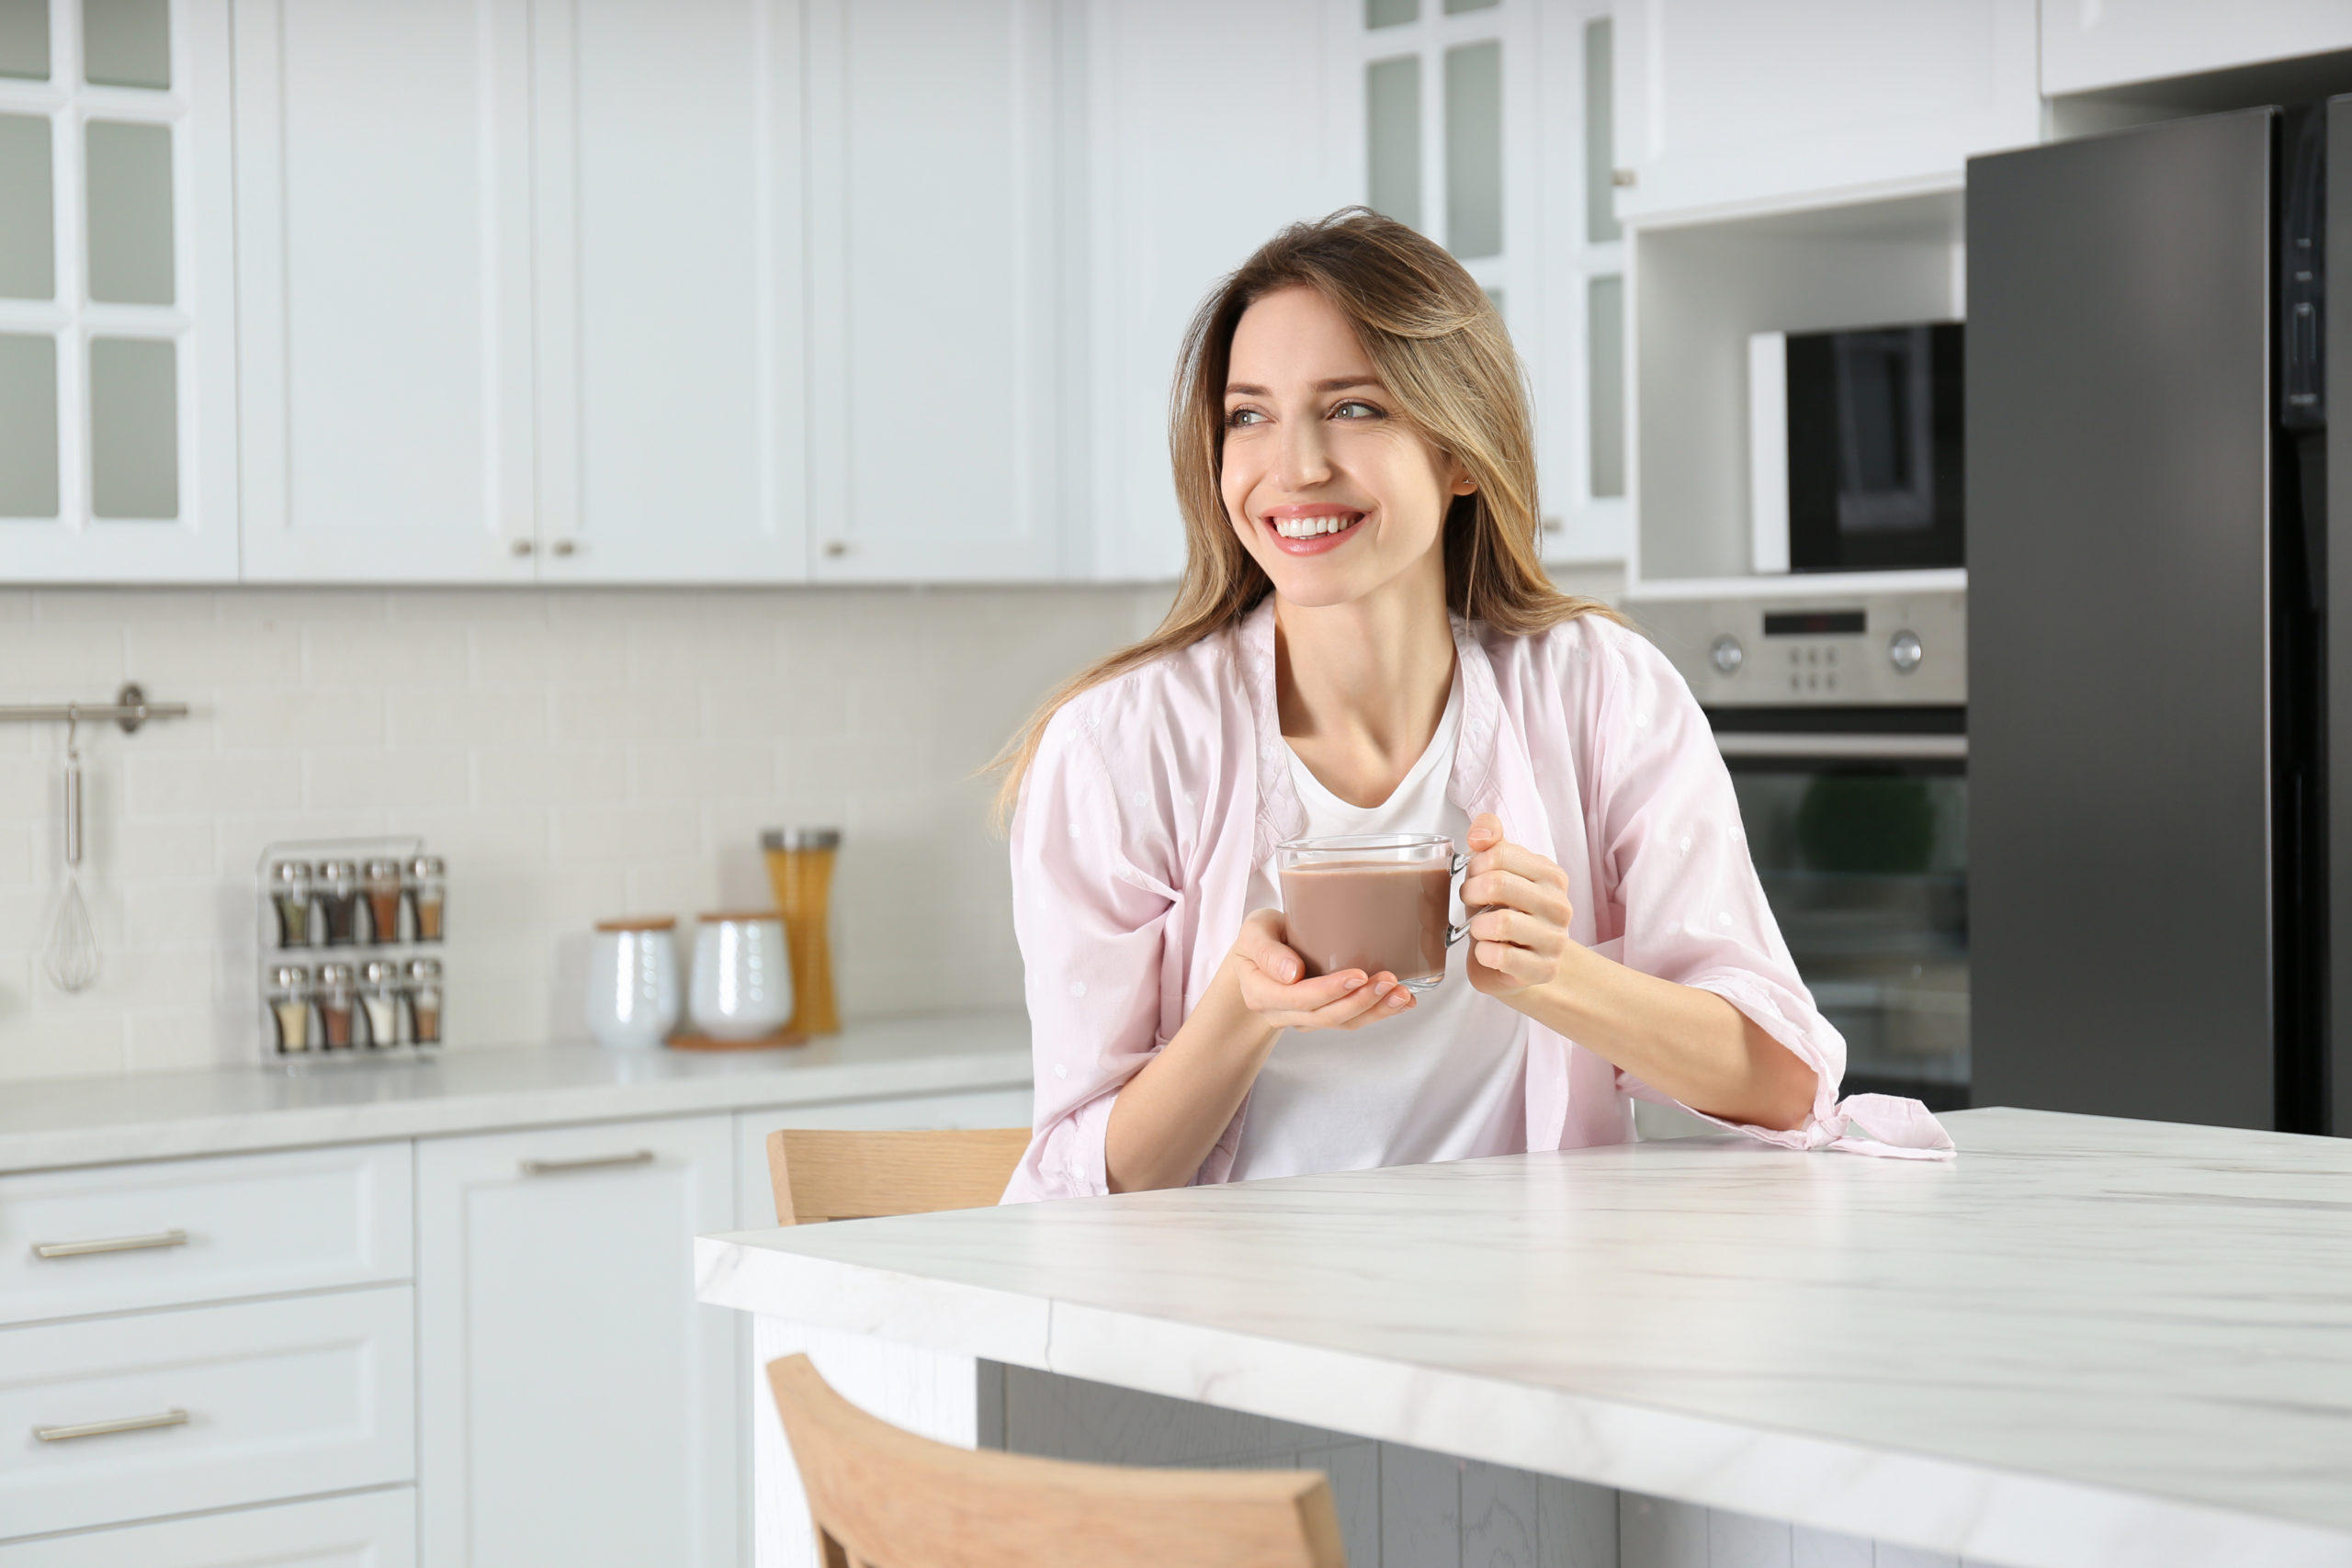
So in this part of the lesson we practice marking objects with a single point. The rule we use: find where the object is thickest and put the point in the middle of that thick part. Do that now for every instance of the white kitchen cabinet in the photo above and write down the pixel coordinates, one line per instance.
(384, 270)
(937, 288)
(1199, 146)
(1731, 106)
(669, 287)
(370, 1530)
(118, 298)
(577, 1403)
(2092, 44)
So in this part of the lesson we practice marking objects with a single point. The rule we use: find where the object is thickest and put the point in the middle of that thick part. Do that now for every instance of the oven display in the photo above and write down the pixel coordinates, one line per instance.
(1815, 623)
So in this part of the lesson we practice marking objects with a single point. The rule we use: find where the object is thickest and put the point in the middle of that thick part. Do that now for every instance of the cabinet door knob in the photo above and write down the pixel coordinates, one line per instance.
(837, 548)
(1622, 177)
(523, 546)
(109, 1428)
(110, 1243)
(565, 547)
(596, 1162)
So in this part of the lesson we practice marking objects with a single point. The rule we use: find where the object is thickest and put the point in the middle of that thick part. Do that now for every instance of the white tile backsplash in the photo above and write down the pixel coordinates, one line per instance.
(573, 755)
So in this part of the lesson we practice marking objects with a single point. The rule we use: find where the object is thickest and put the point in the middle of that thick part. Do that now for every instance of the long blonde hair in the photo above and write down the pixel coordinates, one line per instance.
(1441, 349)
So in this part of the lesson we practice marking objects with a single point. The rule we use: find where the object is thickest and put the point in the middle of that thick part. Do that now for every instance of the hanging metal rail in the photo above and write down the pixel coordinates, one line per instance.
(130, 708)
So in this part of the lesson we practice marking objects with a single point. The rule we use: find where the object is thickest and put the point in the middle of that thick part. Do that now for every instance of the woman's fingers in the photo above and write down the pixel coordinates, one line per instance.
(1538, 936)
(1522, 965)
(1509, 890)
(1383, 998)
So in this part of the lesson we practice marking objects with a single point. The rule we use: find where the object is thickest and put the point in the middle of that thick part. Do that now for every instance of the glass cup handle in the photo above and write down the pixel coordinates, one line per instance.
(1455, 934)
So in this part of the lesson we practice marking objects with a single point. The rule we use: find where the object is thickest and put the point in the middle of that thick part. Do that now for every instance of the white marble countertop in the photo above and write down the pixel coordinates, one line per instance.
(63, 1122)
(2084, 1341)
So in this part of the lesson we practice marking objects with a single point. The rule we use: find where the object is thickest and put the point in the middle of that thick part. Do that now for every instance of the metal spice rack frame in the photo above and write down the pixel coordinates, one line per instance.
(271, 954)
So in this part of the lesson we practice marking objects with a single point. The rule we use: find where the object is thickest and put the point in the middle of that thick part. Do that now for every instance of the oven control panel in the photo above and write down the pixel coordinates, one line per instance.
(1907, 649)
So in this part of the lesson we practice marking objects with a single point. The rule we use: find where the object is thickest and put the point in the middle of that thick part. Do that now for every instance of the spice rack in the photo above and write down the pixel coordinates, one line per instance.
(348, 955)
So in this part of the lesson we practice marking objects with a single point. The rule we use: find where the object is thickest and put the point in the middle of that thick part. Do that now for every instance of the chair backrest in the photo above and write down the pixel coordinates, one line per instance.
(886, 1499)
(858, 1176)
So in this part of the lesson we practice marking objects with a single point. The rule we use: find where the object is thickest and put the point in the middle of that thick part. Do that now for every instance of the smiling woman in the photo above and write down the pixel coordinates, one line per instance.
(1364, 644)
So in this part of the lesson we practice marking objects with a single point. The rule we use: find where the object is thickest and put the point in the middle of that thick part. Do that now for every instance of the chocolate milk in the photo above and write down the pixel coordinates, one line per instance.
(1369, 915)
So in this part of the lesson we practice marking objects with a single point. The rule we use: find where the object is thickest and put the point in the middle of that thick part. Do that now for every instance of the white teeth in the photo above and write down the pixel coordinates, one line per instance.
(1310, 528)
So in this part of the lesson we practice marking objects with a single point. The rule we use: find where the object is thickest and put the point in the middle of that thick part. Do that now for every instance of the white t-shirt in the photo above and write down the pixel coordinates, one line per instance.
(1445, 1081)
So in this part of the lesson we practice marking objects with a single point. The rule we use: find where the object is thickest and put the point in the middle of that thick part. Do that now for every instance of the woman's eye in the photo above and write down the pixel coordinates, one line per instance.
(1240, 417)
(1352, 409)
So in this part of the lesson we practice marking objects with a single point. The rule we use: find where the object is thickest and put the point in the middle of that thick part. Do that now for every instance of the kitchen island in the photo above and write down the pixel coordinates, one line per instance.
(2084, 1341)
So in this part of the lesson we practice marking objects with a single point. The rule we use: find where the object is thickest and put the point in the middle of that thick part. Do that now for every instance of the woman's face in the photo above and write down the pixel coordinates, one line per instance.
(1332, 492)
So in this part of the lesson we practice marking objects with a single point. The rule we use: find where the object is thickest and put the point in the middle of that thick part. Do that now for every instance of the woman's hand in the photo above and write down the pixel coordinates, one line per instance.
(1519, 934)
(1271, 987)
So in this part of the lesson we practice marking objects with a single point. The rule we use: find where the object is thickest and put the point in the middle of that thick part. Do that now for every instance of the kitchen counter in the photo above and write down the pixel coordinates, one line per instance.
(66, 1122)
(2084, 1341)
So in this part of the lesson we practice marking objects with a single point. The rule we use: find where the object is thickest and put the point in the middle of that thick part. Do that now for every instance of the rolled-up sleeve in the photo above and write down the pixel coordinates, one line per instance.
(1688, 906)
(1092, 925)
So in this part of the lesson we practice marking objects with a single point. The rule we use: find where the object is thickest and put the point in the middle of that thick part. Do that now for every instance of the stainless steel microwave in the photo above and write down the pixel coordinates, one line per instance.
(1855, 449)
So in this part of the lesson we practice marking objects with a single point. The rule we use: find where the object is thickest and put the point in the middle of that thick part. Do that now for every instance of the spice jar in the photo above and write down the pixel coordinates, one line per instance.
(289, 1008)
(383, 889)
(382, 989)
(289, 897)
(428, 895)
(337, 1000)
(424, 1000)
(800, 866)
(338, 886)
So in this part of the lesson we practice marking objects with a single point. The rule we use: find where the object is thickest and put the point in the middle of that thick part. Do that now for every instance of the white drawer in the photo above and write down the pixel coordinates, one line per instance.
(203, 1230)
(373, 1530)
(281, 1399)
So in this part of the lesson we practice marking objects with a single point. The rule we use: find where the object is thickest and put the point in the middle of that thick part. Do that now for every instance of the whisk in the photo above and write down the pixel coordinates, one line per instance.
(72, 957)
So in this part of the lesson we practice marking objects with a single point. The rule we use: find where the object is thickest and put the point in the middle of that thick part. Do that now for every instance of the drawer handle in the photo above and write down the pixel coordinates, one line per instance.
(107, 1428)
(600, 1162)
(111, 1243)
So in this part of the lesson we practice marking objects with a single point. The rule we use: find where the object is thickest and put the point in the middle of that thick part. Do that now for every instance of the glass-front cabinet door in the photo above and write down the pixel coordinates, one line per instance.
(117, 391)
(1866, 865)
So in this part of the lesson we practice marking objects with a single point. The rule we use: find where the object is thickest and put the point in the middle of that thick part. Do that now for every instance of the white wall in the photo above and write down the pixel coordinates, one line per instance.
(574, 755)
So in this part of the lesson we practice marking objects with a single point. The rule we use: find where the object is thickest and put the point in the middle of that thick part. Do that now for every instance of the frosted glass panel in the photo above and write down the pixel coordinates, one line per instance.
(28, 426)
(1392, 136)
(126, 43)
(1455, 7)
(1474, 149)
(1605, 373)
(1600, 131)
(23, 39)
(28, 238)
(131, 213)
(1391, 12)
(134, 428)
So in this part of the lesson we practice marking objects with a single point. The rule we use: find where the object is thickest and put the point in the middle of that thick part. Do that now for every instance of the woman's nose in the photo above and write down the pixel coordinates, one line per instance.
(1305, 462)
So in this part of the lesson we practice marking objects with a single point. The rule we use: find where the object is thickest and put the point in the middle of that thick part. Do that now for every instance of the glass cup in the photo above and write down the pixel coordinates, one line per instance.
(1372, 901)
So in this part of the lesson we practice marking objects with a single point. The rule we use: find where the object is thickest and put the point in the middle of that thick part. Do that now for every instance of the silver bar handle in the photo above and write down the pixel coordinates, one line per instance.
(107, 1428)
(598, 1162)
(110, 1243)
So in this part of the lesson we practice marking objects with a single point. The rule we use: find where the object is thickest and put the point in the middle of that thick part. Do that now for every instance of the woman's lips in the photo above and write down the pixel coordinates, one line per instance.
(1311, 533)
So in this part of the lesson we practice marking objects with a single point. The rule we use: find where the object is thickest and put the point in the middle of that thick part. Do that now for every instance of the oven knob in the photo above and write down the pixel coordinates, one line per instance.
(1903, 651)
(1726, 655)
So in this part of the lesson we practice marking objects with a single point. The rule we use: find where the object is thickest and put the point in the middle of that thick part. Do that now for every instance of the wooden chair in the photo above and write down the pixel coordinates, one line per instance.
(858, 1176)
(885, 1498)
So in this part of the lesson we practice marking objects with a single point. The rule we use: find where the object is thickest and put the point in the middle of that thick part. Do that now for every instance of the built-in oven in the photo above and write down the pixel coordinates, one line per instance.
(1843, 719)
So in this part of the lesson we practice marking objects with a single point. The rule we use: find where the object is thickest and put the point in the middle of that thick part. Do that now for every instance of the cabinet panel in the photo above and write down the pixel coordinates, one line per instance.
(246, 1225)
(577, 1403)
(935, 291)
(384, 268)
(1199, 150)
(281, 1398)
(374, 1529)
(670, 284)
(1724, 105)
(2111, 43)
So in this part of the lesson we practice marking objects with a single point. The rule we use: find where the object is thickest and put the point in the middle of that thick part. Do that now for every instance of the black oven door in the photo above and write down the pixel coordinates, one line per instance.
(1857, 823)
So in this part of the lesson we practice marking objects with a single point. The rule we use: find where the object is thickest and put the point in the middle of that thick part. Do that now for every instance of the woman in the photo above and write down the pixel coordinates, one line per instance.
(1365, 642)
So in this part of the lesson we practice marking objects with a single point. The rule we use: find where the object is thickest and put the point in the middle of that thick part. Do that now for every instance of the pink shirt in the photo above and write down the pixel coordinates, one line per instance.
(1153, 796)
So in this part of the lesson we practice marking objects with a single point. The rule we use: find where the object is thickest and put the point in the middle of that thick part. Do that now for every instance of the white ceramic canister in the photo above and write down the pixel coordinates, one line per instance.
(742, 986)
(633, 984)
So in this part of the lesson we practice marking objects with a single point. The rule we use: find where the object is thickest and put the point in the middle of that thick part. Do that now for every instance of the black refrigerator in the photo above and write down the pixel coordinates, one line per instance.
(2160, 700)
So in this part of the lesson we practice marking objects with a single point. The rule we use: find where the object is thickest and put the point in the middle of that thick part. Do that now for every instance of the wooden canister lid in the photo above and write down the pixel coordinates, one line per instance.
(640, 923)
(716, 916)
